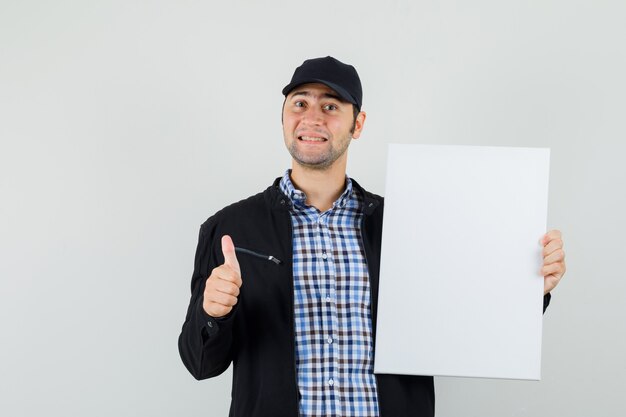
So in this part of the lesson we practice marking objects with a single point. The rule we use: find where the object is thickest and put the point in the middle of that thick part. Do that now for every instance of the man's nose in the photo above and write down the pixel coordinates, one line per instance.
(313, 115)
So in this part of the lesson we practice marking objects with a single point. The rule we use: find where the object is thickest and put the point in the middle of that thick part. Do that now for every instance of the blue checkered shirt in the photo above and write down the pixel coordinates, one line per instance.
(333, 323)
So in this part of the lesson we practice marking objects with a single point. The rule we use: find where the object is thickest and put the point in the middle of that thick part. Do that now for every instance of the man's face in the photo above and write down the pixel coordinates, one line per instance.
(317, 126)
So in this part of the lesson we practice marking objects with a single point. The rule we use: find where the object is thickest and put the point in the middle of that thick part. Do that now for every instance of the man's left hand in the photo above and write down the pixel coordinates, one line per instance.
(553, 260)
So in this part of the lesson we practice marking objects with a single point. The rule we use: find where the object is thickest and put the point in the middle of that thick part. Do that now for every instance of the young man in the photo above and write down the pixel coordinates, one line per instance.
(293, 306)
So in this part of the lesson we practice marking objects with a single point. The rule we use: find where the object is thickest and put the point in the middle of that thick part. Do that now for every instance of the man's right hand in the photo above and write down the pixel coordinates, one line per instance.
(222, 287)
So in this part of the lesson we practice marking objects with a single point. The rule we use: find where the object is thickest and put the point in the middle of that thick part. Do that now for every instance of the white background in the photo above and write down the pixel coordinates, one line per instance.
(125, 124)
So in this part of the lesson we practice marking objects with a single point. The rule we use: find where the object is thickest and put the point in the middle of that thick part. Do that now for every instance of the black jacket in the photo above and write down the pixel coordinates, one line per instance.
(258, 335)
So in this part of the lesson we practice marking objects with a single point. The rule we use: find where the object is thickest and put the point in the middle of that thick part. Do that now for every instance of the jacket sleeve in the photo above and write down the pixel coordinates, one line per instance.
(205, 343)
(546, 301)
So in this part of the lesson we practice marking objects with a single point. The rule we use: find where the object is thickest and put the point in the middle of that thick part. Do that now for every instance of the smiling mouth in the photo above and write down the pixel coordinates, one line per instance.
(311, 139)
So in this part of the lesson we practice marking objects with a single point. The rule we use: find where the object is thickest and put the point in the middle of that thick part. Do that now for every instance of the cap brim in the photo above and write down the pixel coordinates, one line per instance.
(339, 90)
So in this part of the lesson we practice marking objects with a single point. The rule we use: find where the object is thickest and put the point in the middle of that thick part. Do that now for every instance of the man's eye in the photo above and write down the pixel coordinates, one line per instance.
(330, 107)
(298, 104)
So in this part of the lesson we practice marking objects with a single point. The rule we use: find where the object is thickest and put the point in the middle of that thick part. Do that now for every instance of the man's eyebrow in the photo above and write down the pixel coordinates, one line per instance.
(307, 93)
(334, 96)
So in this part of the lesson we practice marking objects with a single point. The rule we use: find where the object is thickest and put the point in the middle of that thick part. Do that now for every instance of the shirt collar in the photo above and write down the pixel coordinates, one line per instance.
(298, 198)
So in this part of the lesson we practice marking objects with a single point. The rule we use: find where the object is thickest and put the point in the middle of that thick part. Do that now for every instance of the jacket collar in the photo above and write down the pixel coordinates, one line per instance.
(278, 200)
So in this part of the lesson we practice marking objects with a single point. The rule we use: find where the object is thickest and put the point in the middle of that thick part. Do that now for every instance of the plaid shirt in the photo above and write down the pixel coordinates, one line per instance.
(333, 324)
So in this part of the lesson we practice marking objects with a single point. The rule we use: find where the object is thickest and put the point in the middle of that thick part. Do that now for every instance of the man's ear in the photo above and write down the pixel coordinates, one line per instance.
(358, 124)
(282, 111)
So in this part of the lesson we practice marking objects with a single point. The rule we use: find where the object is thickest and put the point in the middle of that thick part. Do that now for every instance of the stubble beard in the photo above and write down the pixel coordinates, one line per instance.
(321, 161)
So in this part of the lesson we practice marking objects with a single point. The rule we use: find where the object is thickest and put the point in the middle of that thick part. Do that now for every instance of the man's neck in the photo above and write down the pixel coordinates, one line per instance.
(322, 187)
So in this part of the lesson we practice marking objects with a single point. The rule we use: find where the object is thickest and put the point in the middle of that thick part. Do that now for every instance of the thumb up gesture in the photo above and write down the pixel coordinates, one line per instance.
(222, 286)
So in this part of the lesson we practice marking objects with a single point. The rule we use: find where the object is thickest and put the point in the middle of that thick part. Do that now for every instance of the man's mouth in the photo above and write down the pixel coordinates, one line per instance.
(311, 138)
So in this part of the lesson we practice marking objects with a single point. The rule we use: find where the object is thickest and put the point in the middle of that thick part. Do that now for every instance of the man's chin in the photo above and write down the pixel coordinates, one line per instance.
(313, 164)
(318, 161)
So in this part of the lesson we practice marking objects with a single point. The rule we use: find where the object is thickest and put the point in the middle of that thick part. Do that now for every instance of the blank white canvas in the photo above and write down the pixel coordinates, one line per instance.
(460, 288)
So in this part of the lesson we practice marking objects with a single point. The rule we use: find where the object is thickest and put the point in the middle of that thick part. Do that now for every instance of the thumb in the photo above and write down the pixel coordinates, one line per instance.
(228, 249)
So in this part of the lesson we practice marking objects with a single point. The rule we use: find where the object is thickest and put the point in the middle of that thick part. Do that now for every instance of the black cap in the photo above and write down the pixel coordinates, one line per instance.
(342, 78)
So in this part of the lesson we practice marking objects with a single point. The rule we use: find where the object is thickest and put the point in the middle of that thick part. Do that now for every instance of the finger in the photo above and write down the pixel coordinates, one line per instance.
(551, 235)
(227, 287)
(556, 269)
(227, 274)
(549, 283)
(216, 310)
(552, 246)
(556, 256)
(230, 257)
(221, 298)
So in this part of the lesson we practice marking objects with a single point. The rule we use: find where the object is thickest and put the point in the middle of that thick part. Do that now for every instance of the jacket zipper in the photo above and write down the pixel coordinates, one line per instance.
(369, 275)
(293, 321)
(259, 255)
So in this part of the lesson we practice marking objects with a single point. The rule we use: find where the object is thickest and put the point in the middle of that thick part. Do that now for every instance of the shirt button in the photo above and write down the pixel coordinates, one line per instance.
(331, 382)
(328, 299)
(330, 340)
(324, 255)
